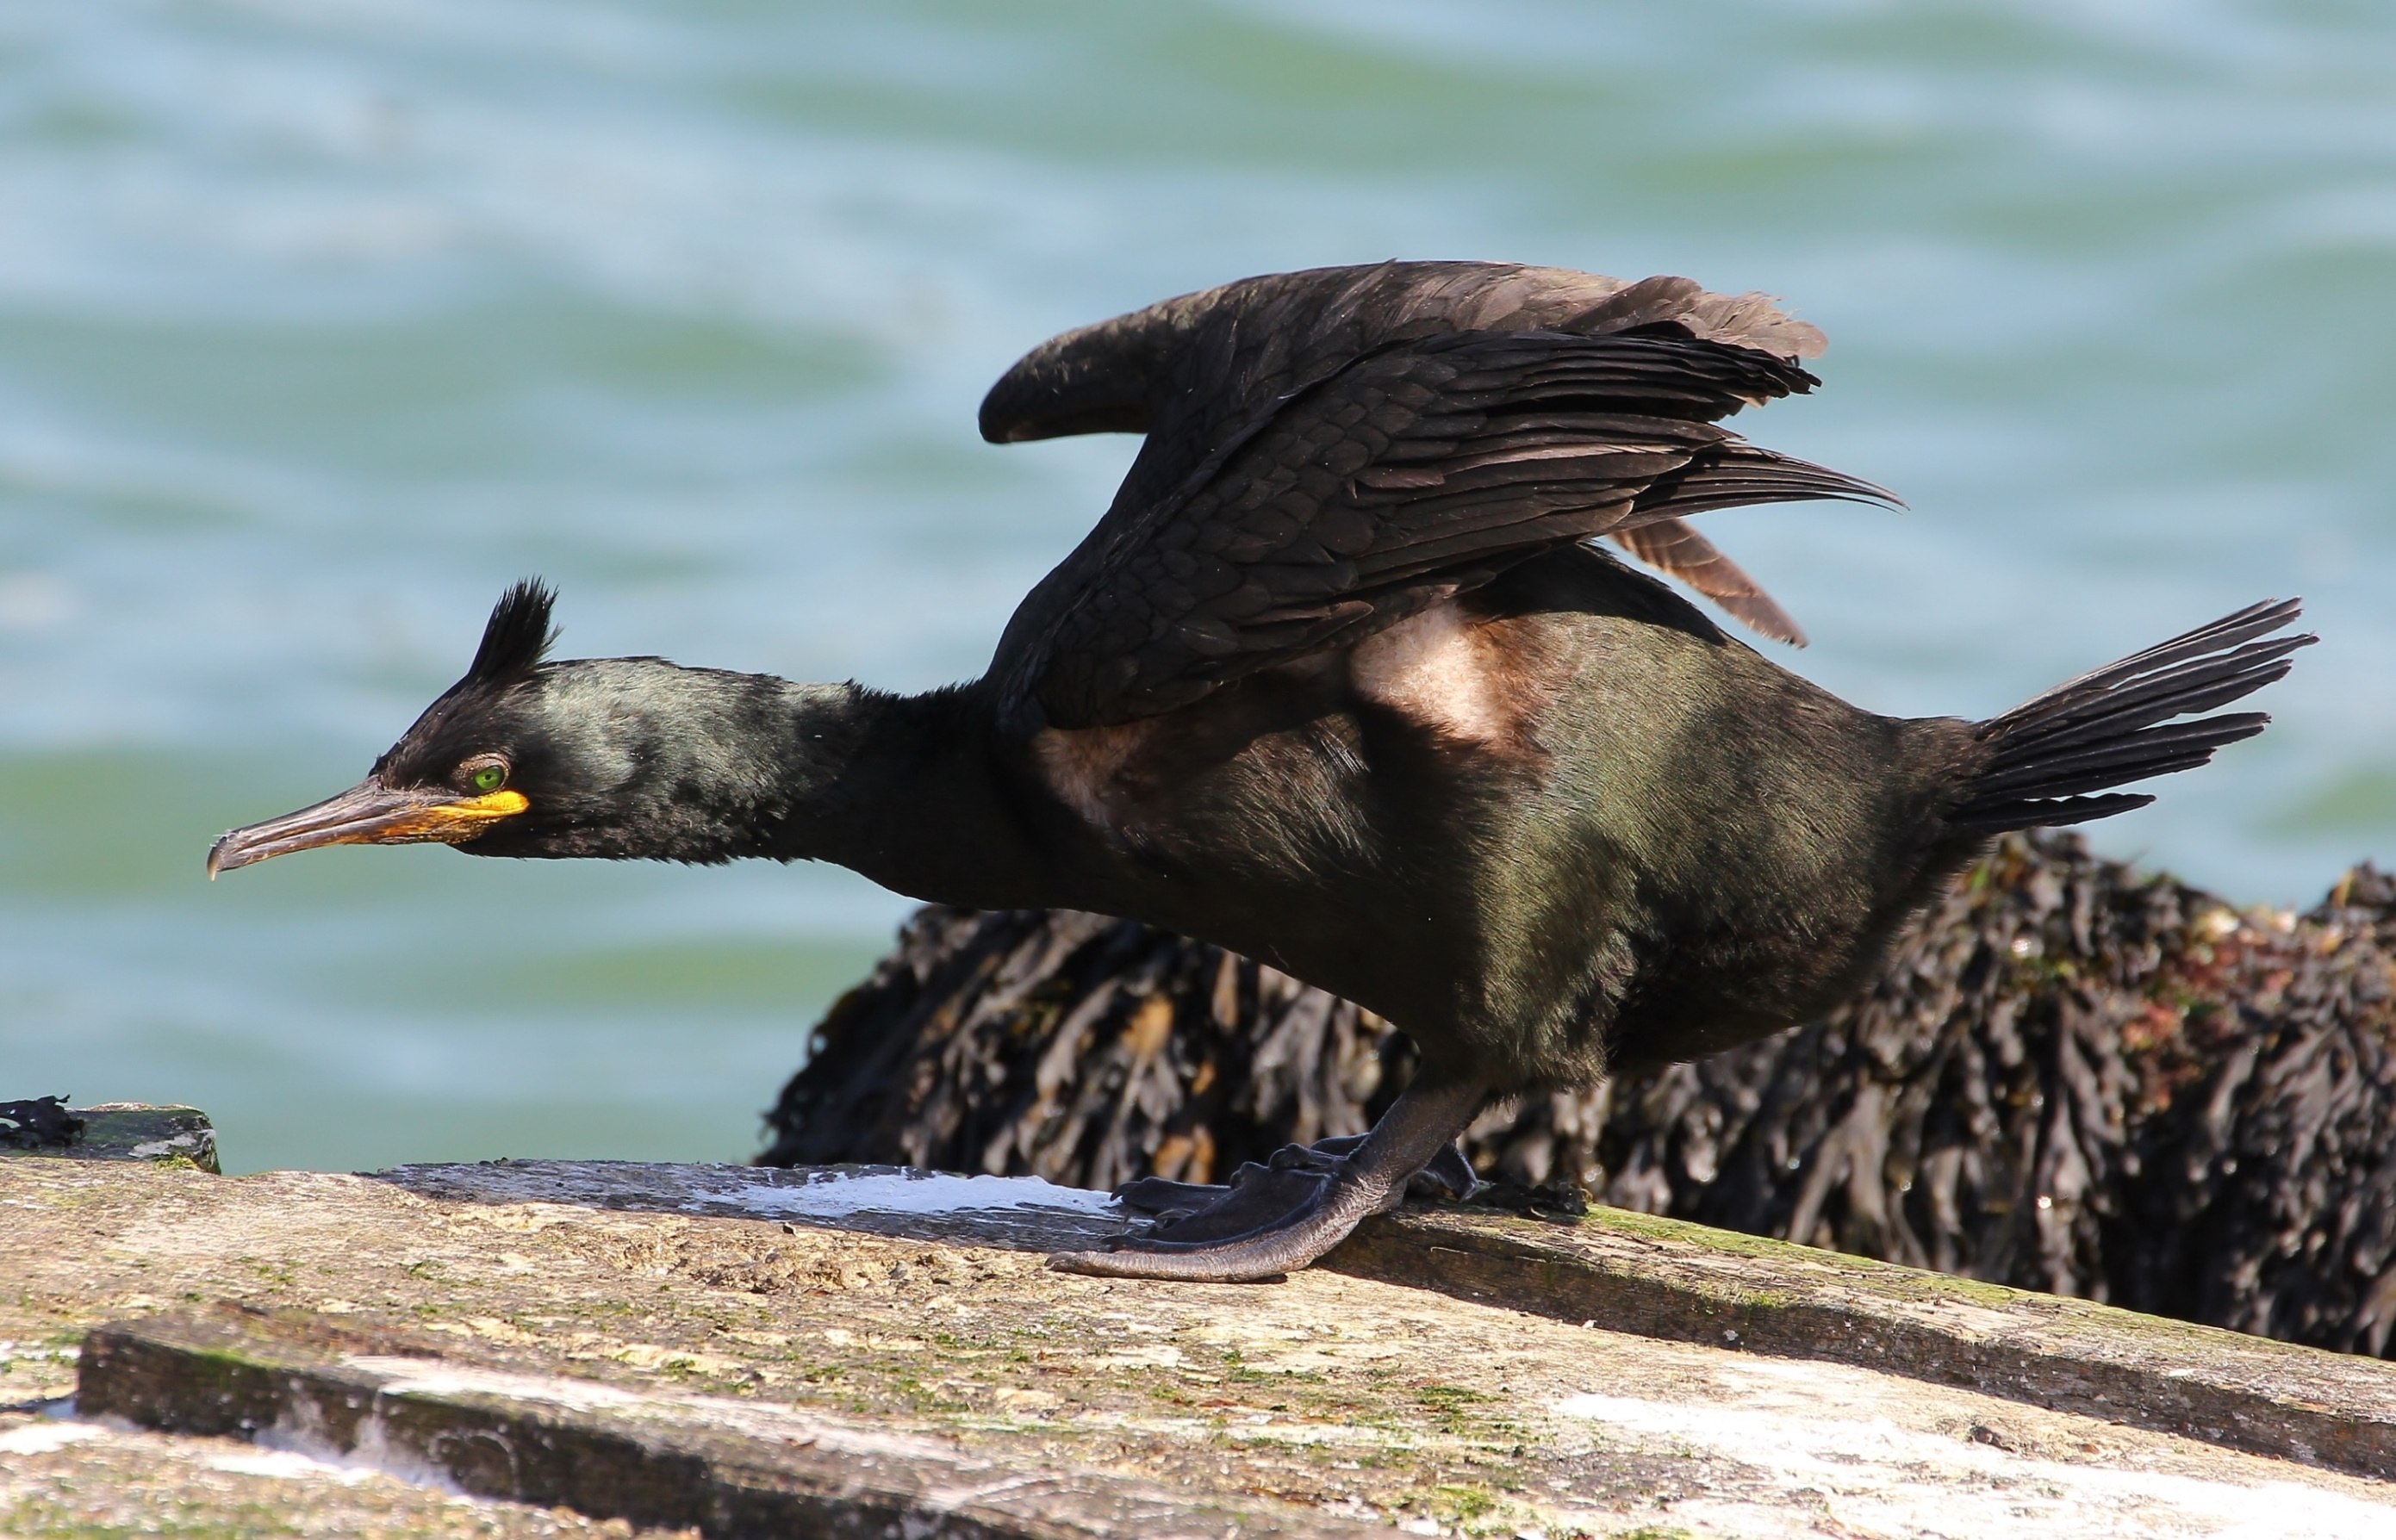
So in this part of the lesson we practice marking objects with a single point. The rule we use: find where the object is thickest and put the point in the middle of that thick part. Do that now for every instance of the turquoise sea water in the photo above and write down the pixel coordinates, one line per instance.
(320, 321)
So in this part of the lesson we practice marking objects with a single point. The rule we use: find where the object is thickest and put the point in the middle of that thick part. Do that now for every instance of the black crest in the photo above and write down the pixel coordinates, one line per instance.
(518, 635)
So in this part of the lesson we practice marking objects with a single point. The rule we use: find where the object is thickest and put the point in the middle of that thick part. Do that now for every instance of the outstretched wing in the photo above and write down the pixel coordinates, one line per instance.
(1184, 370)
(1331, 452)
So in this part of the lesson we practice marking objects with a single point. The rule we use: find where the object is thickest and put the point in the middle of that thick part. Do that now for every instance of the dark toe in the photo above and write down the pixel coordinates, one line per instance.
(1159, 1199)
(1269, 1200)
(1449, 1175)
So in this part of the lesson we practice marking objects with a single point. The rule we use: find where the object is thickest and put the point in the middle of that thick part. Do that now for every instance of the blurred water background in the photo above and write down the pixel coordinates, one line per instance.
(322, 319)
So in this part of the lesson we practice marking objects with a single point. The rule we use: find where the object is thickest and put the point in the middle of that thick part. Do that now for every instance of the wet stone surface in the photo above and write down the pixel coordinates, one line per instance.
(632, 1313)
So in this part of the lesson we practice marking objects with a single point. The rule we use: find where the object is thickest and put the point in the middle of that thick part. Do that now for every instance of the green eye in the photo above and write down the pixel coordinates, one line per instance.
(489, 778)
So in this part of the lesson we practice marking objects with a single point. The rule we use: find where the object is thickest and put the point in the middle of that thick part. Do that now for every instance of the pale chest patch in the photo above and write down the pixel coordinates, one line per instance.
(1442, 671)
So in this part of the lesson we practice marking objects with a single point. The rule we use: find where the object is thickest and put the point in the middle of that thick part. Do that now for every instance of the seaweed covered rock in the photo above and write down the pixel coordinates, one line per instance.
(2069, 1077)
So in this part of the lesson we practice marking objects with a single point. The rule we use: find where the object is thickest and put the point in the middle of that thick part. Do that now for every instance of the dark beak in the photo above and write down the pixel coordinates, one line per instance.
(369, 813)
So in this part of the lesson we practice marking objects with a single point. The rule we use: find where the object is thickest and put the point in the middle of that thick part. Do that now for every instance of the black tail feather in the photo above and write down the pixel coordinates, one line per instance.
(2112, 725)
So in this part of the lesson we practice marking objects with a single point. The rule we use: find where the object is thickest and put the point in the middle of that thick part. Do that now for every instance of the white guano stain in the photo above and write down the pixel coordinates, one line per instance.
(43, 1438)
(291, 1465)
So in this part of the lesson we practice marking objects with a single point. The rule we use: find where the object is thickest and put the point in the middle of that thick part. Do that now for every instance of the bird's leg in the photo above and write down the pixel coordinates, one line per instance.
(1448, 1175)
(1278, 1218)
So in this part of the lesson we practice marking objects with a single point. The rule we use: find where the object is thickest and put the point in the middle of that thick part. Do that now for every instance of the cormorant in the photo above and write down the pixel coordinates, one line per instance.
(1340, 683)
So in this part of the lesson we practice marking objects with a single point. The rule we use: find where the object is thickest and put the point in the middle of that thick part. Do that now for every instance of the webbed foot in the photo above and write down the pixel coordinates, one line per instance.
(1280, 1215)
(1448, 1175)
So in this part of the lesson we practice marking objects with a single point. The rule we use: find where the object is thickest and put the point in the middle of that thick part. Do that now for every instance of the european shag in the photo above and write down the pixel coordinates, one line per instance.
(1340, 683)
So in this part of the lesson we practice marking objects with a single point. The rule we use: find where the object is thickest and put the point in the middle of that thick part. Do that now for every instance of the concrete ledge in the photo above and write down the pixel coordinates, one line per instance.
(867, 1352)
(1638, 1274)
(725, 1467)
(1661, 1277)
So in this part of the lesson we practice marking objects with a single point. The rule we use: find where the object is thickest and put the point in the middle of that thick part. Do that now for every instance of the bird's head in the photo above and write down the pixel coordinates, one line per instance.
(616, 756)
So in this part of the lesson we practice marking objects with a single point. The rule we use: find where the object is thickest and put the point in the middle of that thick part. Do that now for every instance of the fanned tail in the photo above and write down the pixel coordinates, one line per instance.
(2113, 725)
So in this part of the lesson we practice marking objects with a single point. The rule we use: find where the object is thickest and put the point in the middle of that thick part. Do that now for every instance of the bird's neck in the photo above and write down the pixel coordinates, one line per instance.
(902, 789)
(701, 764)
